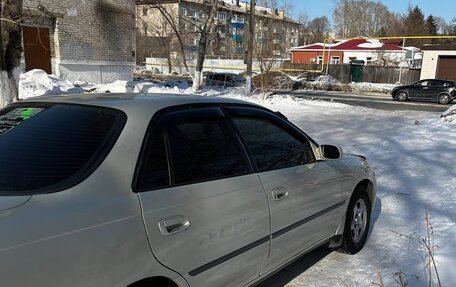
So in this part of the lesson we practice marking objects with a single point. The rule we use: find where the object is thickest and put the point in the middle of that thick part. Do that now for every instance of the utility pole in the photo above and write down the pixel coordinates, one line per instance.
(249, 52)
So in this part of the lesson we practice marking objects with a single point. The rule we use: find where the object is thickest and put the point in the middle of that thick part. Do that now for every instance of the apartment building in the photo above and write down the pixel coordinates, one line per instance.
(275, 32)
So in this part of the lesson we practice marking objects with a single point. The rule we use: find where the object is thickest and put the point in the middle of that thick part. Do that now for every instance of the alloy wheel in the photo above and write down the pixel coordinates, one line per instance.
(359, 221)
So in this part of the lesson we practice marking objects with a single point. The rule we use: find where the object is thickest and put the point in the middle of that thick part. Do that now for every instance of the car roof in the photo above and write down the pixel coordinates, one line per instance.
(135, 104)
(450, 81)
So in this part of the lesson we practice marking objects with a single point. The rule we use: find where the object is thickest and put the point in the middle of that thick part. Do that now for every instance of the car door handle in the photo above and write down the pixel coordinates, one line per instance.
(173, 225)
(279, 193)
(425, 88)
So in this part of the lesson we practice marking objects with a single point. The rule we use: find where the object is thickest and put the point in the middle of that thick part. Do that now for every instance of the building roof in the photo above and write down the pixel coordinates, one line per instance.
(358, 44)
(243, 8)
(439, 47)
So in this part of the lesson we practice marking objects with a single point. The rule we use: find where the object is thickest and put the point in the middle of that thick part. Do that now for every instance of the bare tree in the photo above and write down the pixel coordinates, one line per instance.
(10, 49)
(318, 29)
(385, 58)
(173, 21)
(210, 13)
(264, 54)
(155, 37)
(355, 18)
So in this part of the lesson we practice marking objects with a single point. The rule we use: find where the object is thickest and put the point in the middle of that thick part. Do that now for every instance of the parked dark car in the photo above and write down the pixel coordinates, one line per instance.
(441, 91)
(224, 79)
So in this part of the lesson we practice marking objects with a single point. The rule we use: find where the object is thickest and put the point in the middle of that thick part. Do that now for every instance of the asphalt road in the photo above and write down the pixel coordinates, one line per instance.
(382, 102)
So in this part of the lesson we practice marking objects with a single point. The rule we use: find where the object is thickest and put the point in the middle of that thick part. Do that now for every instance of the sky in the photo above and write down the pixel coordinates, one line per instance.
(442, 8)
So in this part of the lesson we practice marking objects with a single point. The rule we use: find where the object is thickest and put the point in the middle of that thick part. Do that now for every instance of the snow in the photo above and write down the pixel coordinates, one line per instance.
(173, 86)
(371, 44)
(449, 115)
(411, 152)
(413, 156)
(327, 80)
(36, 83)
(372, 87)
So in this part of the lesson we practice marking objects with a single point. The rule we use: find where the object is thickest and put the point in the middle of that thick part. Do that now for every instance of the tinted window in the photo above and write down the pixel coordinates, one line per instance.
(154, 172)
(45, 148)
(423, 83)
(202, 149)
(271, 146)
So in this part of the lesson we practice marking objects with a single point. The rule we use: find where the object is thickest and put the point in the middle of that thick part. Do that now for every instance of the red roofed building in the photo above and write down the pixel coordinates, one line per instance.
(371, 51)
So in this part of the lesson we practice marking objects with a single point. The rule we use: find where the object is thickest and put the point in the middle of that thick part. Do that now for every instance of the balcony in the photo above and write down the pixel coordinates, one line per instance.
(237, 25)
(237, 38)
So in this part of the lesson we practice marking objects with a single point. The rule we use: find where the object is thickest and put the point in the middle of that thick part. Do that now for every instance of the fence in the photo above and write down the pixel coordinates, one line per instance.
(211, 65)
(371, 74)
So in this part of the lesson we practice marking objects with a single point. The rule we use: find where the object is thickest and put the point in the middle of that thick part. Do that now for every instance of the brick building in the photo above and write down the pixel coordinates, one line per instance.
(275, 33)
(368, 50)
(91, 41)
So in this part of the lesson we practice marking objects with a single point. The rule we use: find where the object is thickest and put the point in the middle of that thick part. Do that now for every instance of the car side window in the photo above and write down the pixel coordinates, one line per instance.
(202, 149)
(271, 146)
(154, 172)
(423, 83)
(190, 146)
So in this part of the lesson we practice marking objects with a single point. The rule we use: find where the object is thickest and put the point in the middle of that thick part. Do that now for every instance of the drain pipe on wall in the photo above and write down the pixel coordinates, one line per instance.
(403, 59)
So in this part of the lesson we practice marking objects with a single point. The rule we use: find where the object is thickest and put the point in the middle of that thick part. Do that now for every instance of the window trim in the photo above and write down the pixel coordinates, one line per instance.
(94, 162)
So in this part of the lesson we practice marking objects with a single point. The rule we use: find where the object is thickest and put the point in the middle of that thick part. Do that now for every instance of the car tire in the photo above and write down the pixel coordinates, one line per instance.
(401, 96)
(444, 99)
(357, 222)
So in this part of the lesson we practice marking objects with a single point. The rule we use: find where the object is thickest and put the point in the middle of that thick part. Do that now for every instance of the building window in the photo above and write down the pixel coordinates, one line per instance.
(145, 28)
(351, 59)
(319, 60)
(222, 15)
(239, 18)
(335, 60)
(368, 60)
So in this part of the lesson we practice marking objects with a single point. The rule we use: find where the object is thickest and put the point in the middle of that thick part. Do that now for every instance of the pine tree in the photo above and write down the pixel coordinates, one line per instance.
(431, 24)
(415, 25)
(382, 32)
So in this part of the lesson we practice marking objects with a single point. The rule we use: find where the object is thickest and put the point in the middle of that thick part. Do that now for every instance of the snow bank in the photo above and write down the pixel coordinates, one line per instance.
(36, 83)
(372, 87)
(173, 86)
(327, 80)
(449, 115)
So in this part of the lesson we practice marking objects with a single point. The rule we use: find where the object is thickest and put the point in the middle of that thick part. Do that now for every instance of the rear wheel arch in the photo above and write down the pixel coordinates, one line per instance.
(442, 94)
(154, 282)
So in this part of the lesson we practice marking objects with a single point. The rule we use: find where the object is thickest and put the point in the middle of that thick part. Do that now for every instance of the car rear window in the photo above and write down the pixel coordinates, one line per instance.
(45, 148)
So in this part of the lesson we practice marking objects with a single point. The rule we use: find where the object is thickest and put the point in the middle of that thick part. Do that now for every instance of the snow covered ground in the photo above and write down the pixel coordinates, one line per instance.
(413, 154)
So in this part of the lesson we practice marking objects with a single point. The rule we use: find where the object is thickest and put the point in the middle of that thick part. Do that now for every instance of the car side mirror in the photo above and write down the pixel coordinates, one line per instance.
(330, 152)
